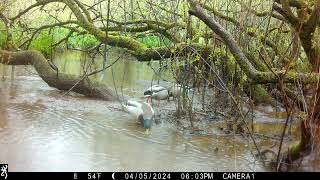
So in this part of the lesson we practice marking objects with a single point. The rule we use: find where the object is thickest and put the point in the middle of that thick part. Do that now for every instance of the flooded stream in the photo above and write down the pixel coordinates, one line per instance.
(43, 130)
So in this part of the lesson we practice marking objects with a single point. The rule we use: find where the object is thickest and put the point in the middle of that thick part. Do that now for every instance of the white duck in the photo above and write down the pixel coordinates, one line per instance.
(157, 92)
(140, 111)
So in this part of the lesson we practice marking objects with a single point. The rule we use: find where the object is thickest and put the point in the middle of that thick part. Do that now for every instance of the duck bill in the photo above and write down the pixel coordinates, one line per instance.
(147, 131)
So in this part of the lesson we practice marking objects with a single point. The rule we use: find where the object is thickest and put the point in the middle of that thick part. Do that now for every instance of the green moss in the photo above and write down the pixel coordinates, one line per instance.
(294, 150)
(258, 93)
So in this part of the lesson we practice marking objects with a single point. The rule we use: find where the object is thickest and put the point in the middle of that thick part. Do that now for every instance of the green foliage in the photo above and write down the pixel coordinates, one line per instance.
(153, 41)
(217, 52)
(316, 40)
(3, 36)
(258, 93)
(83, 41)
(251, 30)
(2, 40)
(42, 43)
(46, 39)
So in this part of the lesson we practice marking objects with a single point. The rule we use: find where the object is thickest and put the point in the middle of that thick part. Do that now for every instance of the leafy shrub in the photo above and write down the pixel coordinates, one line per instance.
(153, 41)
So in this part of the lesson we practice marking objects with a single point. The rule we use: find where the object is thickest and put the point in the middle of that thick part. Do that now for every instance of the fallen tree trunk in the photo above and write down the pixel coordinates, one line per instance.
(61, 81)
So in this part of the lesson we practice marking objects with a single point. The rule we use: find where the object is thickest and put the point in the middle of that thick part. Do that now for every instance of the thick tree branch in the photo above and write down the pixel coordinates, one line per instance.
(85, 11)
(237, 24)
(260, 14)
(255, 75)
(294, 3)
(314, 19)
(294, 21)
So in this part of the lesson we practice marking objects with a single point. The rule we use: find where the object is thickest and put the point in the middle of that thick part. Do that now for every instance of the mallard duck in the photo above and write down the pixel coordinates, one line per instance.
(140, 111)
(176, 89)
(157, 92)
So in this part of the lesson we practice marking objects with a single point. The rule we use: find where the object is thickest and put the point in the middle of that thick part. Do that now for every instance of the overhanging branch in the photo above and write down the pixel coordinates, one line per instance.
(255, 75)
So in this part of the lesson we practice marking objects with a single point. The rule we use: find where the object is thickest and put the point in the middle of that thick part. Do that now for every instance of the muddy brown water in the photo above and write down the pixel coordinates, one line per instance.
(42, 130)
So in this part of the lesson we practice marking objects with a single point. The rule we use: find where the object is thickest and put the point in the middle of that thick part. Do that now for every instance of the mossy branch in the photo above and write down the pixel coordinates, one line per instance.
(255, 75)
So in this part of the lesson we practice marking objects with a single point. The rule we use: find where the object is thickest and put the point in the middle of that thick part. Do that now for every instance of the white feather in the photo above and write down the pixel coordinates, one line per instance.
(137, 108)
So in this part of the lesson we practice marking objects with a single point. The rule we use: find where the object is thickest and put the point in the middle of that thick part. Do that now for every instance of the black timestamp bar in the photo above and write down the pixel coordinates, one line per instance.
(159, 175)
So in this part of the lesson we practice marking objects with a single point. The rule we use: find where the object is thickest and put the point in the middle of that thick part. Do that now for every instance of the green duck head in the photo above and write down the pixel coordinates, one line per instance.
(147, 123)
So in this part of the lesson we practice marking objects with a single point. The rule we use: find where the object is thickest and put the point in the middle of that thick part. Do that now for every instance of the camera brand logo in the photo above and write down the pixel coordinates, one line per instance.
(4, 171)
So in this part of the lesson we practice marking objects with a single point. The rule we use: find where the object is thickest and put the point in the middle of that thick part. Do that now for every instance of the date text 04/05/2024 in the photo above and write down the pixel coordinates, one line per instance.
(168, 175)
(150, 175)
